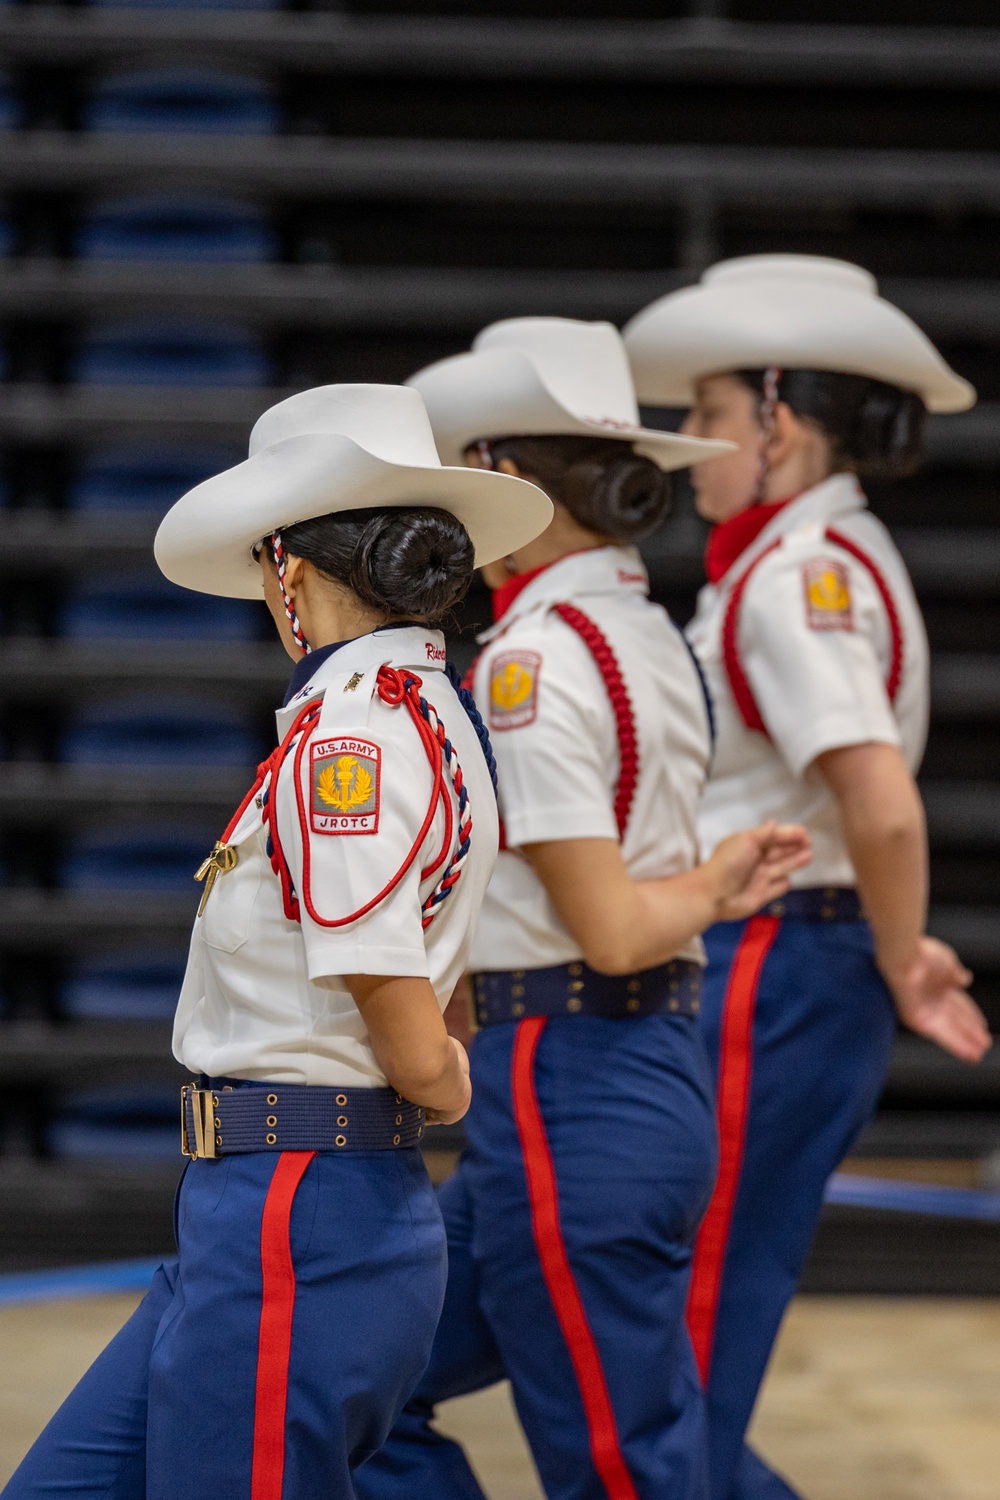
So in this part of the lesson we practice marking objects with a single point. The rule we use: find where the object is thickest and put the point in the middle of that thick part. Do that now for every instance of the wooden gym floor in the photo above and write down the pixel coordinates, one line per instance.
(867, 1398)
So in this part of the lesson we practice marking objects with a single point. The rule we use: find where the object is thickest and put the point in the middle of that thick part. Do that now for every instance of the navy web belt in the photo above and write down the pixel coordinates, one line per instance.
(232, 1117)
(575, 989)
(820, 903)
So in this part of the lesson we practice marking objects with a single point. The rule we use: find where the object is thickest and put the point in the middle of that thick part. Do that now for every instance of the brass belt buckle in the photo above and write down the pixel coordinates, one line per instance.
(203, 1111)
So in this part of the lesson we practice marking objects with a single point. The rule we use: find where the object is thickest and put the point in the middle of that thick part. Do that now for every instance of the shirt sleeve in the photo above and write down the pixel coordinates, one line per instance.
(553, 738)
(809, 633)
(350, 810)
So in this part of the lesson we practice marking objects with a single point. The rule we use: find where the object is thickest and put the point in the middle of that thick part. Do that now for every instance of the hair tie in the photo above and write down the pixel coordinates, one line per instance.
(485, 452)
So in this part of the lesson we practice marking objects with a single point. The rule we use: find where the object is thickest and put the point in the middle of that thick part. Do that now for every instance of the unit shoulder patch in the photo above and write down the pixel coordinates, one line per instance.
(827, 587)
(345, 785)
(514, 689)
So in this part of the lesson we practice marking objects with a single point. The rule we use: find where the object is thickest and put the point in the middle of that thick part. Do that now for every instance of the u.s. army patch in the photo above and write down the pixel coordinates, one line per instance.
(514, 689)
(827, 587)
(344, 785)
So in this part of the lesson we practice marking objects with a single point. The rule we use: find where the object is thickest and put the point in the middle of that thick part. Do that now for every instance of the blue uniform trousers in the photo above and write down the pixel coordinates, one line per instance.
(274, 1354)
(799, 1026)
(570, 1222)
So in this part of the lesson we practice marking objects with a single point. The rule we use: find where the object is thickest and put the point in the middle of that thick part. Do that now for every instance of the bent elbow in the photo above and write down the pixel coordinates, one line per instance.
(611, 956)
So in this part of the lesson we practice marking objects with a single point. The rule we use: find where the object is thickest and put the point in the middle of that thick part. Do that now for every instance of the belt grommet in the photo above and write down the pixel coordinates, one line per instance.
(575, 969)
(517, 1008)
(341, 1120)
(675, 1005)
(516, 990)
(632, 1005)
(634, 986)
(271, 1139)
(574, 1003)
(218, 1123)
(399, 1099)
(272, 1098)
(272, 1119)
(399, 1119)
(341, 1098)
(215, 1100)
(395, 1140)
(695, 1007)
(218, 1140)
(518, 974)
(420, 1132)
(340, 1140)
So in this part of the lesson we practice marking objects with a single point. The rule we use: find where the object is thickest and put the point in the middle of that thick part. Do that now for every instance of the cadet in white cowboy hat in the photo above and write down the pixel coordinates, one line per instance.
(591, 1139)
(272, 1356)
(813, 646)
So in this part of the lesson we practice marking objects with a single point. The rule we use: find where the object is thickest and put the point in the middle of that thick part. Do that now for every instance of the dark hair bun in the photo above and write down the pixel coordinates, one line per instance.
(602, 482)
(409, 564)
(874, 429)
(413, 563)
(625, 496)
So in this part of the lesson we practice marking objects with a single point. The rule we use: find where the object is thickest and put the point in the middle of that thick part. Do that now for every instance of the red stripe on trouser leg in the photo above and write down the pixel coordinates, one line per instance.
(543, 1200)
(275, 1340)
(735, 1068)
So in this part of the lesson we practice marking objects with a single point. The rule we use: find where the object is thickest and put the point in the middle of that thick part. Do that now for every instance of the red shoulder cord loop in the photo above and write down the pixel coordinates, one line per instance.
(738, 681)
(621, 704)
(393, 689)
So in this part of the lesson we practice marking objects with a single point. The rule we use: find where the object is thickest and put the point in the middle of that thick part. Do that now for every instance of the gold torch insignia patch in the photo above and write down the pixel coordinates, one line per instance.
(514, 689)
(828, 595)
(345, 786)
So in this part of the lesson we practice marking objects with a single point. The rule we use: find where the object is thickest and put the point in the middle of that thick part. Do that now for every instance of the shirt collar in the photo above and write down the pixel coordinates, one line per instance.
(304, 670)
(413, 646)
(839, 495)
(599, 570)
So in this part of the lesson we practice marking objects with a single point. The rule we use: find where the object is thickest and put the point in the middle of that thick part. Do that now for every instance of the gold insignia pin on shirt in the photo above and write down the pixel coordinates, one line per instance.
(222, 859)
(352, 682)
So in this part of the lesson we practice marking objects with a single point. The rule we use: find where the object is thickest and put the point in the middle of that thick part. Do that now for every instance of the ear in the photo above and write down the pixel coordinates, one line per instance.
(788, 435)
(508, 466)
(294, 573)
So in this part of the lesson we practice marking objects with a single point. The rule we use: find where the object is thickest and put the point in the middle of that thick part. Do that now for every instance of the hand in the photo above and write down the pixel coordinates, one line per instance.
(752, 867)
(452, 1116)
(929, 989)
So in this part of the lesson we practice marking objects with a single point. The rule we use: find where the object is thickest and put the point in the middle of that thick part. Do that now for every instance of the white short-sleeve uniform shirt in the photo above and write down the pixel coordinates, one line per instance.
(264, 996)
(555, 740)
(815, 639)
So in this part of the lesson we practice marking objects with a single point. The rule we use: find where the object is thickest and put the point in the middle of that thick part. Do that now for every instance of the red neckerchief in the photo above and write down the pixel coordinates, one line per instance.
(504, 596)
(730, 539)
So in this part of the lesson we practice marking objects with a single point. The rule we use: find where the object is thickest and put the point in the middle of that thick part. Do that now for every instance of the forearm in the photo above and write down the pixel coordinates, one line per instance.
(409, 1039)
(623, 925)
(884, 828)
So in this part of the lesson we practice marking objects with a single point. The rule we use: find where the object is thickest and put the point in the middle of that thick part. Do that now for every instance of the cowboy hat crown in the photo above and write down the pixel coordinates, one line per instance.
(545, 377)
(804, 312)
(330, 449)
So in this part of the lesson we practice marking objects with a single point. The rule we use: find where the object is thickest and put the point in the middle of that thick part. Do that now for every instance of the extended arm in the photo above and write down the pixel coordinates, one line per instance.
(883, 822)
(624, 925)
(421, 1061)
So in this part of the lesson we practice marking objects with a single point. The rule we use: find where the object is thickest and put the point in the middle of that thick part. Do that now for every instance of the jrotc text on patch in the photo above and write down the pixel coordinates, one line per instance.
(345, 791)
(828, 595)
(514, 689)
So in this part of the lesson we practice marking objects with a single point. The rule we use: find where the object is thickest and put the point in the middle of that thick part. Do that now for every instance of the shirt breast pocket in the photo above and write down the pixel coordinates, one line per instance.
(229, 910)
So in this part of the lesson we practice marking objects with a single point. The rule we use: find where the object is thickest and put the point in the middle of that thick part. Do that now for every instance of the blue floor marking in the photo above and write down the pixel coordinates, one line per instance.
(912, 1197)
(77, 1281)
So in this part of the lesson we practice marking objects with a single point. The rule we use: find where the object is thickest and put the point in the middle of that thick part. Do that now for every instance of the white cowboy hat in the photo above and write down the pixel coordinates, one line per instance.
(337, 447)
(545, 377)
(799, 312)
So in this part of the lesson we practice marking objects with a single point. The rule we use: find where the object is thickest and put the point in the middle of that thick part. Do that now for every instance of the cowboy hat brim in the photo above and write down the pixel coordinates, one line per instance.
(717, 327)
(495, 393)
(206, 540)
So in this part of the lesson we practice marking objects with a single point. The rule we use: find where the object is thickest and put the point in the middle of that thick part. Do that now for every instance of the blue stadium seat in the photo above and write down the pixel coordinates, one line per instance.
(144, 606)
(141, 477)
(170, 354)
(200, 100)
(135, 985)
(141, 1123)
(11, 104)
(164, 228)
(136, 857)
(153, 730)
